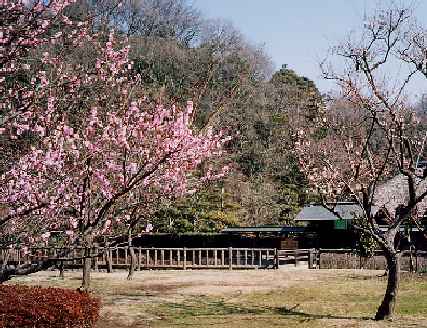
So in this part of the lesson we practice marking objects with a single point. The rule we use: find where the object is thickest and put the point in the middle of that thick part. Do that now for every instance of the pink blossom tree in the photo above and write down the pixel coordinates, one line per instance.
(98, 141)
(352, 151)
(24, 27)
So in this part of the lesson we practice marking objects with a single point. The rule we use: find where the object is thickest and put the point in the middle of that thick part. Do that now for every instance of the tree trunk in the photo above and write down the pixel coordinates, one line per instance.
(87, 263)
(108, 259)
(21, 270)
(61, 270)
(132, 265)
(386, 309)
(108, 255)
(5, 259)
(411, 259)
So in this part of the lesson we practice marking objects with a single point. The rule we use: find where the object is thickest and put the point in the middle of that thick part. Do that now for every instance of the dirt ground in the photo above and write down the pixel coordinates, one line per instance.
(293, 297)
(196, 282)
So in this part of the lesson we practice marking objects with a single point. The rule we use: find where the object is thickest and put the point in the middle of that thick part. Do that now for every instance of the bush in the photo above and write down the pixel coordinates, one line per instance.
(37, 307)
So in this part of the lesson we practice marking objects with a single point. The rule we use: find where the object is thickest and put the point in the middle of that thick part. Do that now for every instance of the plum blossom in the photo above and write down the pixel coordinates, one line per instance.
(80, 168)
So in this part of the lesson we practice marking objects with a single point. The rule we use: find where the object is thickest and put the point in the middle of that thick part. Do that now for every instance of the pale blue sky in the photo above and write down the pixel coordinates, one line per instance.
(296, 32)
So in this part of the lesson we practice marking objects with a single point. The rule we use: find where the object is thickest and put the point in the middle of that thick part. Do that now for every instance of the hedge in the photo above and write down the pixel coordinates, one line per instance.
(37, 307)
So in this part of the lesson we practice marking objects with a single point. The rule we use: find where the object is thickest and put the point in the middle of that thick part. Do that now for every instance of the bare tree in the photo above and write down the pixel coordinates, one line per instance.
(168, 19)
(376, 137)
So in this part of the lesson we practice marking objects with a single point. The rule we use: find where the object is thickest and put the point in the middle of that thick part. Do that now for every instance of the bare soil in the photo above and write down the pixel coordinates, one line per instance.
(292, 297)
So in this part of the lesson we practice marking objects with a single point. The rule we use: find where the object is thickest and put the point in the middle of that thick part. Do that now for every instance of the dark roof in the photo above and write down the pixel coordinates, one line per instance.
(319, 213)
(273, 229)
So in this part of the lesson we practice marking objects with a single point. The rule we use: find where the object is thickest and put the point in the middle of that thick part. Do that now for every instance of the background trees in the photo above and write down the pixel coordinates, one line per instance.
(228, 80)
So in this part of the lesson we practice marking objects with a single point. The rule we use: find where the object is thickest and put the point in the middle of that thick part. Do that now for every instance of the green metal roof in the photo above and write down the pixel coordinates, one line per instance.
(347, 211)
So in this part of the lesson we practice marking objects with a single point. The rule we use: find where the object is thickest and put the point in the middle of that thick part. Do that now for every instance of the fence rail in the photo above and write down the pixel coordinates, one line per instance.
(149, 258)
(295, 256)
(212, 258)
(415, 260)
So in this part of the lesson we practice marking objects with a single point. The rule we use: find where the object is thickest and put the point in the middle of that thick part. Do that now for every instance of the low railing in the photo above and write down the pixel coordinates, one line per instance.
(415, 260)
(295, 256)
(150, 258)
(192, 258)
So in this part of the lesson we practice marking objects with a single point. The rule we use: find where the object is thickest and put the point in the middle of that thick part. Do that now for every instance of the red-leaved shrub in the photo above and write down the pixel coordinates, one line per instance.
(37, 307)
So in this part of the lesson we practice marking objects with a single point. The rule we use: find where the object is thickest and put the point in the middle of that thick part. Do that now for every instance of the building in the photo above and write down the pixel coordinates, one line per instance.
(323, 229)
(280, 237)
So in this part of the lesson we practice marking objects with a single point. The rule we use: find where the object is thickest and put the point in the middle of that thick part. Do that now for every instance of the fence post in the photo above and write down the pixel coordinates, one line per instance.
(147, 258)
(162, 257)
(296, 257)
(416, 261)
(185, 259)
(178, 257)
(311, 258)
(194, 258)
(230, 258)
(95, 265)
(276, 259)
(74, 256)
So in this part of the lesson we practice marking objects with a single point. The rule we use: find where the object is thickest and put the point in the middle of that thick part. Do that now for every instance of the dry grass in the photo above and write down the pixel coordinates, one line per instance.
(259, 298)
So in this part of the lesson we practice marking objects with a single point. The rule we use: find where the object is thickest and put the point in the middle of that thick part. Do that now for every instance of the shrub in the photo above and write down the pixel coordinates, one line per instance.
(37, 307)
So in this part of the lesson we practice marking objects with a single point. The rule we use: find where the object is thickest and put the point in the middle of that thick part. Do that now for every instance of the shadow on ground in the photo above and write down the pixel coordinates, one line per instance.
(222, 308)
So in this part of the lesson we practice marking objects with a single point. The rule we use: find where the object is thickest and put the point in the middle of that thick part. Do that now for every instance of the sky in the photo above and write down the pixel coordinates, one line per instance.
(297, 32)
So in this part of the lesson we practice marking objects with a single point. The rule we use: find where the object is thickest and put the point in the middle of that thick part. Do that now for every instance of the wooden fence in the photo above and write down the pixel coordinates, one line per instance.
(296, 257)
(347, 259)
(212, 258)
(150, 258)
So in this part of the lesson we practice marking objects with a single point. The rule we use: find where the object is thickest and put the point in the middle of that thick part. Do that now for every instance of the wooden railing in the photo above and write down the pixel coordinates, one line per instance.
(295, 256)
(151, 258)
(415, 260)
(211, 258)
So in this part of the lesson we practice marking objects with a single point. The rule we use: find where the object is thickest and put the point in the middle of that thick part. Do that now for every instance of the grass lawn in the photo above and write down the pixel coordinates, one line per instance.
(258, 298)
